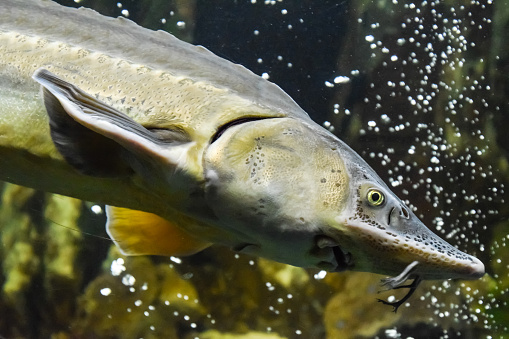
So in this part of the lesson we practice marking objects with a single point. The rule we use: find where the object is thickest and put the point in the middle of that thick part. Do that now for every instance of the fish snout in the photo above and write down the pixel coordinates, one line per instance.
(476, 270)
(440, 260)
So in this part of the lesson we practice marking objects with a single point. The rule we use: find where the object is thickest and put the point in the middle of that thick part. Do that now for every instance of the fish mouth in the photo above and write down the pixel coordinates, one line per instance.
(343, 259)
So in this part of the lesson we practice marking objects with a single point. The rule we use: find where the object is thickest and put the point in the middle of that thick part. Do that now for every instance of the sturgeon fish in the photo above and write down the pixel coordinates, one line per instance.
(188, 149)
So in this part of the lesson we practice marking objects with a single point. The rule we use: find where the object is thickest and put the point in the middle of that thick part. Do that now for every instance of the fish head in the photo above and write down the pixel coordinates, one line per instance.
(288, 190)
(383, 235)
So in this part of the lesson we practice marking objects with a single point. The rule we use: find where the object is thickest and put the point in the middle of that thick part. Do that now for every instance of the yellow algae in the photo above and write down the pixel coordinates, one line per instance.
(286, 275)
(21, 265)
(112, 306)
(213, 334)
(63, 235)
(353, 311)
(18, 236)
(177, 292)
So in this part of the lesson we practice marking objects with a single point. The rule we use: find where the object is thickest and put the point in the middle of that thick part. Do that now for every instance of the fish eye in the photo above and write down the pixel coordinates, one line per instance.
(375, 197)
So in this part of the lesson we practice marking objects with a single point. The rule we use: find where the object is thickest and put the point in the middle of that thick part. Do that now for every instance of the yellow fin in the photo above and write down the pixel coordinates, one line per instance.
(142, 233)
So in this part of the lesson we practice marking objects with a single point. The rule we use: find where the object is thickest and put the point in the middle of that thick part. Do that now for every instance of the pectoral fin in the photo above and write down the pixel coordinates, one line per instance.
(142, 233)
(99, 140)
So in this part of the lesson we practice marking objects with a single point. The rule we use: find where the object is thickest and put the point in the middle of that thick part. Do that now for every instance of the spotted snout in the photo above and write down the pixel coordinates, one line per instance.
(402, 240)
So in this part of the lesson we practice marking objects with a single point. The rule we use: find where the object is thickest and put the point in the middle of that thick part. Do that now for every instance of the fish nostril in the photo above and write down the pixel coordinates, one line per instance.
(404, 213)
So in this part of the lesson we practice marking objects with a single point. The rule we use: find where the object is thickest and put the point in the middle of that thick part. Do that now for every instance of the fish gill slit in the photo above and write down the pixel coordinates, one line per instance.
(220, 131)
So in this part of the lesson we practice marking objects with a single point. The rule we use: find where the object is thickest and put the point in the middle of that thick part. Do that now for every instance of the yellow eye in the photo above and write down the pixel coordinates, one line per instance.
(375, 197)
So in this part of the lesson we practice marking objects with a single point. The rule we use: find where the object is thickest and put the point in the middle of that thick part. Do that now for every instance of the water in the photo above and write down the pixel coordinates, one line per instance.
(418, 89)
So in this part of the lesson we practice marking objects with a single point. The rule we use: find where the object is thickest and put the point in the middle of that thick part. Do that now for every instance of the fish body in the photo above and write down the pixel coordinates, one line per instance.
(142, 121)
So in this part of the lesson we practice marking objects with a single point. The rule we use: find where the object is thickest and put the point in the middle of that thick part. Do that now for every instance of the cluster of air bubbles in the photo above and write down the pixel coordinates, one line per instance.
(328, 126)
(180, 25)
(172, 13)
(430, 96)
(258, 32)
(118, 269)
(440, 145)
(320, 275)
(279, 302)
(267, 2)
(339, 80)
(123, 11)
